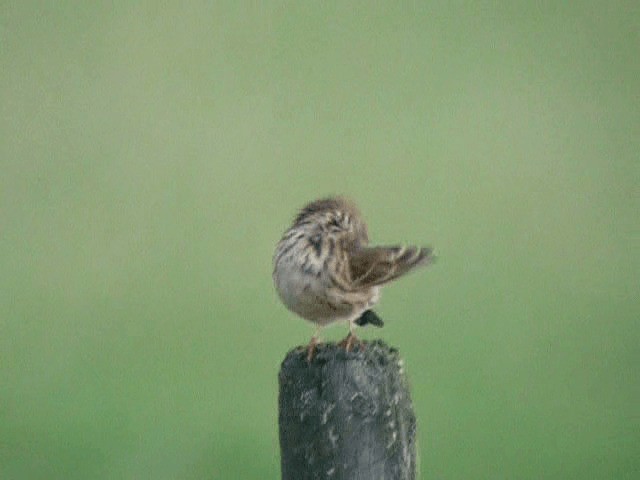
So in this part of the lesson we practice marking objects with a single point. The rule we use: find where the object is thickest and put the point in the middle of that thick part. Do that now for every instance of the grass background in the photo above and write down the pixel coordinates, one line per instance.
(151, 154)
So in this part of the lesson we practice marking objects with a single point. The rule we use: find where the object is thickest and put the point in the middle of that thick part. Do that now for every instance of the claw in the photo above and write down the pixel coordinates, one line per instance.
(350, 341)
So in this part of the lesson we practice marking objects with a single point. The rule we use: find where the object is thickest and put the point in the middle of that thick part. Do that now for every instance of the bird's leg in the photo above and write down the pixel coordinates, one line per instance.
(311, 349)
(351, 339)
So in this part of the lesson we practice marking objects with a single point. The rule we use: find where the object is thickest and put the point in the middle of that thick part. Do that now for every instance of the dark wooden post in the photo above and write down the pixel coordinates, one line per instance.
(346, 415)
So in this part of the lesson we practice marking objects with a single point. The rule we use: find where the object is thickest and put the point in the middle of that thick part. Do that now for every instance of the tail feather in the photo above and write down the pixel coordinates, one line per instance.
(369, 317)
(378, 265)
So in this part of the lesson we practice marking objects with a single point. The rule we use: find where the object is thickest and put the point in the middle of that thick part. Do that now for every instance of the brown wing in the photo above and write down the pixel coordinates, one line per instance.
(379, 265)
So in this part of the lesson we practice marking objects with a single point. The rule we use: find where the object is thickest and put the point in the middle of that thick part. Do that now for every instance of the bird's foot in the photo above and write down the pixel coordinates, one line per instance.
(350, 341)
(311, 349)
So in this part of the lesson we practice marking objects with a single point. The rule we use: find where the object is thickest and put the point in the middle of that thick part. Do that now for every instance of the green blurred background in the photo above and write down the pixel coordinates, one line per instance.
(152, 154)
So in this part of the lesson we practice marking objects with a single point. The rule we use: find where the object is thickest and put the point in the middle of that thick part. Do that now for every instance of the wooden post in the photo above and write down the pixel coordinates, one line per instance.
(346, 415)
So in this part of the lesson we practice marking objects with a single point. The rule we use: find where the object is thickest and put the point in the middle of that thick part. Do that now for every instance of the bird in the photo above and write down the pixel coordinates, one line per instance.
(325, 271)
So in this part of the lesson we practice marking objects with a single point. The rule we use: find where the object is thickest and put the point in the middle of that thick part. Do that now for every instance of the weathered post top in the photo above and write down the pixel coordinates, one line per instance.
(346, 415)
